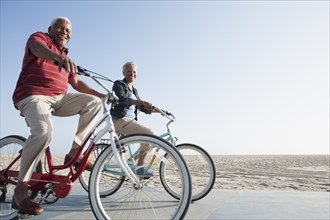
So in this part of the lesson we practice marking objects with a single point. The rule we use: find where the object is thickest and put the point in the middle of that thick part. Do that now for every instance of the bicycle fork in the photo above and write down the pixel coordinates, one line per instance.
(117, 151)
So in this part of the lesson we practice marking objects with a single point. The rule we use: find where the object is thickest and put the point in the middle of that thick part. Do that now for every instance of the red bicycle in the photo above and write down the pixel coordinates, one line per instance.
(147, 201)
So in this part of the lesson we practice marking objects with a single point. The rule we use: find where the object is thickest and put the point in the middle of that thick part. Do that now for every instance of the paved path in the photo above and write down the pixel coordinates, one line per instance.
(219, 204)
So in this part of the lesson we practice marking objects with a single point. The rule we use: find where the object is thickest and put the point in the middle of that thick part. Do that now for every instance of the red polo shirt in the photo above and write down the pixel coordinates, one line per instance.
(39, 76)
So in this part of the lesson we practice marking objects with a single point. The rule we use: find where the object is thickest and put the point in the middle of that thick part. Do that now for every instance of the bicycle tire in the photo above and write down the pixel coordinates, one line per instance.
(201, 168)
(149, 202)
(84, 177)
(10, 147)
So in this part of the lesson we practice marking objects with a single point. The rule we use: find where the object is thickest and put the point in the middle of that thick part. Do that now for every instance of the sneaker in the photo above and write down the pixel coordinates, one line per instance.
(130, 163)
(141, 172)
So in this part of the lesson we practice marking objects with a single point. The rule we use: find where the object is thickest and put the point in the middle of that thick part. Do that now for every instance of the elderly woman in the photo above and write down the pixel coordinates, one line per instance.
(124, 114)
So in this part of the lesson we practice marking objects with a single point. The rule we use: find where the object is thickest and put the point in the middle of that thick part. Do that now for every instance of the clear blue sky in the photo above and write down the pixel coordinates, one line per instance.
(241, 77)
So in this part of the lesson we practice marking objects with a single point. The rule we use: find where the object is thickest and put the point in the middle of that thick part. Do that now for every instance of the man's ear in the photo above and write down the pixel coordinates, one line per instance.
(49, 28)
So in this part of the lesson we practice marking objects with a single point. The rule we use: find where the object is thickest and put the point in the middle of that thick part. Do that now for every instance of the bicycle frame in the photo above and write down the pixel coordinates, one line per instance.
(63, 184)
(132, 155)
(168, 135)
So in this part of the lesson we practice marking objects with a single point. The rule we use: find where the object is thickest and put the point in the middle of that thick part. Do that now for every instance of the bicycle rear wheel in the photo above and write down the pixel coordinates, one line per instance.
(10, 148)
(150, 201)
(84, 177)
(201, 168)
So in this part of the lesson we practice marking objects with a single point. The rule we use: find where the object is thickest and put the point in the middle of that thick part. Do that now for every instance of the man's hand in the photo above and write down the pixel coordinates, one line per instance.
(42, 51)
(65, 62)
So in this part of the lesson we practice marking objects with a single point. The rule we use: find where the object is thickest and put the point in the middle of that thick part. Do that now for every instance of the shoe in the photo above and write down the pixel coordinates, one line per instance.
(68, 158)
(27, 206)
(141, 172)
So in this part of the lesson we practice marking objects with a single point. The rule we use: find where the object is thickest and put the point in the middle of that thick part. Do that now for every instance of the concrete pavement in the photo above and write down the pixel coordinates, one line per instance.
(219, 204)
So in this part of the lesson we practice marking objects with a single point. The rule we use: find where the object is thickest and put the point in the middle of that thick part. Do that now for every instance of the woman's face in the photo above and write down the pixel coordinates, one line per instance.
(130, 73)
(60, 32)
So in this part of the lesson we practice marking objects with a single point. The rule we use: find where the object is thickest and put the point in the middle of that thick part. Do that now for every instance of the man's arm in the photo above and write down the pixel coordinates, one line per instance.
(42, 51)
(82, 87)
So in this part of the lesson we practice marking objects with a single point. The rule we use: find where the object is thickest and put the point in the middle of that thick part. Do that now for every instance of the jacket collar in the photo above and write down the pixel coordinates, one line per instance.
(133, 88)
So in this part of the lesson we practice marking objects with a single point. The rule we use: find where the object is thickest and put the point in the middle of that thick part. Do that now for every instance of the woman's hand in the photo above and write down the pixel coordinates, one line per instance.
(147, 105)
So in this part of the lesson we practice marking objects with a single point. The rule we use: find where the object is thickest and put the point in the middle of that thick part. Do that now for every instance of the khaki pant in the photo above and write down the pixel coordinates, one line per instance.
(126, 126)
(38, 111)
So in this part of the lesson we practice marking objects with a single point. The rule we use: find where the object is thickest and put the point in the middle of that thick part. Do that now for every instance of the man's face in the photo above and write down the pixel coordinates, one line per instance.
(60, 32)
(130, 73)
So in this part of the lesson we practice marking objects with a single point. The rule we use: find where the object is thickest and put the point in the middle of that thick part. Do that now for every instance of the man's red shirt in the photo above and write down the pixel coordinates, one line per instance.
(39, 76)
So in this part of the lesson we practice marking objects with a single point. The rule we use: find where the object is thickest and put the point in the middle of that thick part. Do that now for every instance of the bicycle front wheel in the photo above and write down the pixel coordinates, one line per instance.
(201, 168)
(149, 200)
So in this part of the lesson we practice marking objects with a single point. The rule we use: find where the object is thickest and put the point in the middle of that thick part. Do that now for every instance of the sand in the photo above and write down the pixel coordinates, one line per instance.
(270, 172)
(278, 172)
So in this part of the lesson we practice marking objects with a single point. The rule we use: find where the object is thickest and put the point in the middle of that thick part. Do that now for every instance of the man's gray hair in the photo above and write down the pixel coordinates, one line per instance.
(127, 64)
(60, 18)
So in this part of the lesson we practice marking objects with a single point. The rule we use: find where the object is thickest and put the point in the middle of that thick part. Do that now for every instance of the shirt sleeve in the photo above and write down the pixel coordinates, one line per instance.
(37, 37)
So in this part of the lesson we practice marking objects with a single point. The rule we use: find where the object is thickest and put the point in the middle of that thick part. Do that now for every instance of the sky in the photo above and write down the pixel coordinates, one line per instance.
(241, 77)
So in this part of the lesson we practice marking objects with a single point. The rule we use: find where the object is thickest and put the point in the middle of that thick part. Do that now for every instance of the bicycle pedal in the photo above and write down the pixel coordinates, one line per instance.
(144, 178)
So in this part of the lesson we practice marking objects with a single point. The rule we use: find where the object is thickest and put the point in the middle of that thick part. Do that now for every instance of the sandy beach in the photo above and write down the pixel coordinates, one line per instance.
(270, 172)
(278, 172)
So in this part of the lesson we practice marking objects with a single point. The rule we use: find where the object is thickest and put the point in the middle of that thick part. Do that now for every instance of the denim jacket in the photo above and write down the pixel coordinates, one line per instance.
(121, 89)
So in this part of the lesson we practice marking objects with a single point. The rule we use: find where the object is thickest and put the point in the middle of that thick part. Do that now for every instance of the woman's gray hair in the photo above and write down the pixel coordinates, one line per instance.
(60, 18)
(127, 64)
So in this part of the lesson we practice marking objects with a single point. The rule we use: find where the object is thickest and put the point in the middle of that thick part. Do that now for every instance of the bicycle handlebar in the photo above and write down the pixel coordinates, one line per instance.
(95, 76)
(166, 114)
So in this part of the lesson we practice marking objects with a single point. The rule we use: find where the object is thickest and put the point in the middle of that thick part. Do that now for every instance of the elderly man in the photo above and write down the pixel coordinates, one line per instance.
(41, 92)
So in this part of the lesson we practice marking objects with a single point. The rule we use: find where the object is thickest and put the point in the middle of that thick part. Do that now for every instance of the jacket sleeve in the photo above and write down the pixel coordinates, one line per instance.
(139, 107)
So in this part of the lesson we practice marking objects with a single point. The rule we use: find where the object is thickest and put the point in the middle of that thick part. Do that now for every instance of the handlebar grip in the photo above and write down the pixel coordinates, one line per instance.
(82, 71)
